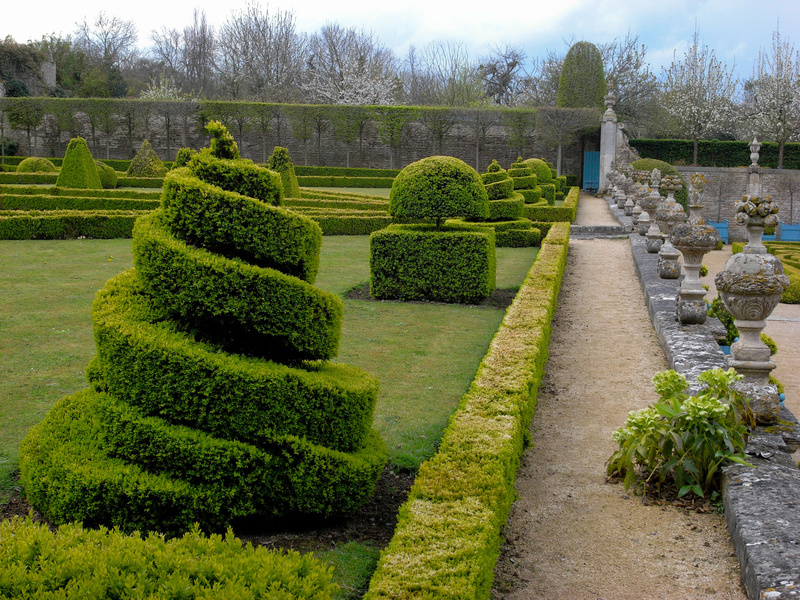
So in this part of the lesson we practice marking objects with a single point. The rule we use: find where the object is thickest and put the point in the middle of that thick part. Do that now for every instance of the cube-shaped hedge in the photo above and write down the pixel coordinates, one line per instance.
(417, 262)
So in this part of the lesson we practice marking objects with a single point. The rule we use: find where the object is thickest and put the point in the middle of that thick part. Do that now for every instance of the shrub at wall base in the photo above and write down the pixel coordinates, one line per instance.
(428, 261)
(211, 398)
(78, 169)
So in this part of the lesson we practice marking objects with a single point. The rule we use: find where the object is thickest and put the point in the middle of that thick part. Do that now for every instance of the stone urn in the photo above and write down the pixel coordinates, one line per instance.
(669, 214)
(649, 205)
(694, 239)
(750, 287)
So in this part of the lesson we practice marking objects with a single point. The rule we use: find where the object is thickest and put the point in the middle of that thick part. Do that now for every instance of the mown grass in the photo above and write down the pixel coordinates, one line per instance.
(424, 355)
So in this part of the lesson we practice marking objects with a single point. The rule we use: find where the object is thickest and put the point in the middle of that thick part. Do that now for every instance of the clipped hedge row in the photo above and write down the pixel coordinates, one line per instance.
(48, 202)
(66, 224)
(28, 178)
(74, 562)
(223, 297)
(148, 362)
(514, 233)
(448, 534)
(367, 203)
(354, 224)
(139, 182)
(506, 208)
(545, 212)
(345, 172)
(69, 470)
(716, 153)
(352, 182)
(418, 262)
(19, 190)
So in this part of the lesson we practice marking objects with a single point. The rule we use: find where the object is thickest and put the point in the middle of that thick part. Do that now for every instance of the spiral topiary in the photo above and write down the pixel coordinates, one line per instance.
(212, 398)
(36, 165)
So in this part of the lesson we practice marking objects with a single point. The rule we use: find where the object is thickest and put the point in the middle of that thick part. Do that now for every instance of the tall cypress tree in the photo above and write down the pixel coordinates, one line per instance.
(582, 83)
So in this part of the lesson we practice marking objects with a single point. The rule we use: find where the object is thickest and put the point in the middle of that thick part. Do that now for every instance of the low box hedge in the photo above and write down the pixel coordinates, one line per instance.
(352, 204)
(350, 224)
(74, 562)
(139, 182)
(49, 202)
(38, 190)
(352, 182)
(549, 192)
(28, 178)
(531, 196)
(565, 212)
(419, 262)
(63, 225)
(345, 171)
(245, 308)
(448, 534)
(506, 208)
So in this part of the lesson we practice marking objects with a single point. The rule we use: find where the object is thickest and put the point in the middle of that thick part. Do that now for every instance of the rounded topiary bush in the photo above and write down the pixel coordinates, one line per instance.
(36, 165)
(78, 169)
(438, 188)
(541, 169)
(648, 164)
(108, 176)
(497, 182)
(146, 163)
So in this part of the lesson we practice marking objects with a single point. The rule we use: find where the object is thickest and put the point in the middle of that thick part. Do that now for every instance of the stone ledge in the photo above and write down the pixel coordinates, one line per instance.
(762, 504)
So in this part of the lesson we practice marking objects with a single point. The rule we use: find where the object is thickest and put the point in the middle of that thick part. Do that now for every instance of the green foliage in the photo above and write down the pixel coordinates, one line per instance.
(346, 172)
(684, 438)
(516, 232)
(419, 262)
(222, 143)
(183, 156)
(582, 83)
(108, 176)
(450, 526)
(36, 165)
(89, 563)
(49, 202)
(497, 182)
(438, 188)
(66, 224)
(541, 169)
(146, 163)
(241, 176)
(353, 182)
(543, 212)
(714, 153)
(280, 162)
(78, 169)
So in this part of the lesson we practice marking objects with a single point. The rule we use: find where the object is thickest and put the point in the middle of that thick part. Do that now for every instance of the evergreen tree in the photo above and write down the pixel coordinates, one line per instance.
(582, 83)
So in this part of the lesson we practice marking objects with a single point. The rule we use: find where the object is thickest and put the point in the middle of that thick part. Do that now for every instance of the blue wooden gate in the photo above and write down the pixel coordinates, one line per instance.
(591, 171)
(789, 233)
(722, 227)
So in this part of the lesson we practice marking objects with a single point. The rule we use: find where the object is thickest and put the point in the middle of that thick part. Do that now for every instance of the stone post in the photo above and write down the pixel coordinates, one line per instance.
(754, 181)
(608, 141)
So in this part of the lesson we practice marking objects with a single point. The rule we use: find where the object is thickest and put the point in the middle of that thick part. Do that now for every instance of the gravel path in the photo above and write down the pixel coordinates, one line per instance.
(571, 534)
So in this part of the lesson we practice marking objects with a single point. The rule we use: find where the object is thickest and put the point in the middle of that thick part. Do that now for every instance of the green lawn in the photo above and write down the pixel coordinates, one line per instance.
(424, 355)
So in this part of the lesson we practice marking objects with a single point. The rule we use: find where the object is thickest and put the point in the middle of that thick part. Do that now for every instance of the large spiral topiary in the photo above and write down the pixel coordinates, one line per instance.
(211, 398)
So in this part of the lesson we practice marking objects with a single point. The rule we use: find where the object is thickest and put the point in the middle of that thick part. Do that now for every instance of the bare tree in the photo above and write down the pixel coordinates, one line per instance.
(187, 56)
(559, 126)
(539, 86)
(260, 55)
(442, 75)
(348, 66)
(110, 41)
(502, 73)
(773, 101)
(628, 76)
(699, 92)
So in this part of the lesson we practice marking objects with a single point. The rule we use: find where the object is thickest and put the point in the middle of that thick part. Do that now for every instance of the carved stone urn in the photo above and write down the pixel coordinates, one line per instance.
(694, 239)
(669, 214)
(649, 204)
(750, 287)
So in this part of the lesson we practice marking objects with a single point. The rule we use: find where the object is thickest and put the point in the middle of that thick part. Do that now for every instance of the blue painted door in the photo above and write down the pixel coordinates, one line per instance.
(591, 171)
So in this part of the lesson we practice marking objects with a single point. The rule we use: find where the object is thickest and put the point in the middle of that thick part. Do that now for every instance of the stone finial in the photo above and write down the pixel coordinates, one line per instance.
(755, 146)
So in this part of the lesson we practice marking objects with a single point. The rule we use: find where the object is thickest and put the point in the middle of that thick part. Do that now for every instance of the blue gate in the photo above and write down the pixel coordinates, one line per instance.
(789, 233)
(722, 227)
(591, 171)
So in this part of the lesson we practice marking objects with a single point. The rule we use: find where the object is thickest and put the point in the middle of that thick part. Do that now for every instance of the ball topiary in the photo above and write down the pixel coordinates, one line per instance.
(36, 165)
(78, 169)
(281, 162)
(108, 176)
(541, 169)
(146, 163)
(438, 188)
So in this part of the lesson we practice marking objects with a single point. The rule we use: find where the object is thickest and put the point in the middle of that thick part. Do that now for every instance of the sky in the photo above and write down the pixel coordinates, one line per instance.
(734, 29)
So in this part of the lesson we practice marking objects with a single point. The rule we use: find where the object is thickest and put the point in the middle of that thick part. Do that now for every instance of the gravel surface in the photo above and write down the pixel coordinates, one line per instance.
(572, 534)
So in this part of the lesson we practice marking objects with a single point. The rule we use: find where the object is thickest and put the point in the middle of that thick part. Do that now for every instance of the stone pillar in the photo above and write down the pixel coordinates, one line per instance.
(754, 171)
(608, 141)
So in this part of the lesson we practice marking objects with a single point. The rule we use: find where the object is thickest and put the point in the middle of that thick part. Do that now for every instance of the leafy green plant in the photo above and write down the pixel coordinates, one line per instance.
(684, 438)
(717, 309)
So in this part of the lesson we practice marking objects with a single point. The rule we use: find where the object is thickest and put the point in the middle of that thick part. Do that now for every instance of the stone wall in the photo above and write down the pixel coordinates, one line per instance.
(726, 186)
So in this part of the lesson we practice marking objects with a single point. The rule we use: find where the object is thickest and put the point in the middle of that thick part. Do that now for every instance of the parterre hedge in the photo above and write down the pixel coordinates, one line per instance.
(352, 182)
(545, 212)
(66, 224)
(74, 562)
(448, 534)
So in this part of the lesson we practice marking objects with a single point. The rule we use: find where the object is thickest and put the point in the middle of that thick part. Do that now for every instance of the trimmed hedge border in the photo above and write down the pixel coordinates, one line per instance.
(448, 534)
(36, 190)
(47, 202)
(63, 225)
(345, 171)
(545, 212)
(353, 182)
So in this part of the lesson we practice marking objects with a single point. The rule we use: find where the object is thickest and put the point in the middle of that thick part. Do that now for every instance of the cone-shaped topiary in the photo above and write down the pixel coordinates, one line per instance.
(78, 169)
(438, 188)
(211, 398)
(36, 165)
(146, 163)
(108, 176)
(280, 162)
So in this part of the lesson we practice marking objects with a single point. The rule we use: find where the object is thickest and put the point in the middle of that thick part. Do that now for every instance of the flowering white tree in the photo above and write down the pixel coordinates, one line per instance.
(699, 92)
(773, 95)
